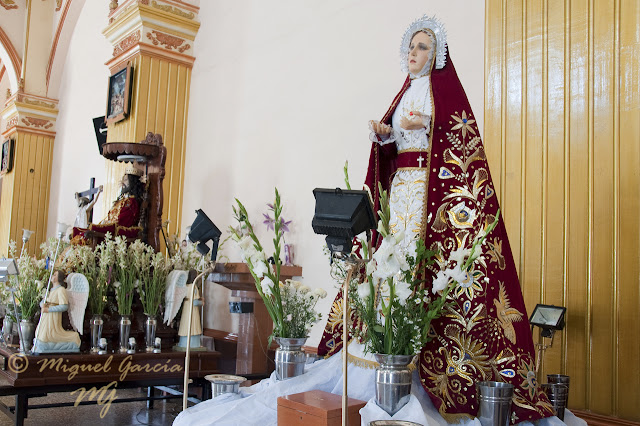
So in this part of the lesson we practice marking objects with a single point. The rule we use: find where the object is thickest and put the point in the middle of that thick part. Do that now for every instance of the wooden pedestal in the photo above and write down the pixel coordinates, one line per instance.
(316, 408)
(253, 328)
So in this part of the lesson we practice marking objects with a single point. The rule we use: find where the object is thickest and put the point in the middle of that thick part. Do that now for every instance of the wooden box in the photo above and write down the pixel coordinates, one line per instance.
(316, 408)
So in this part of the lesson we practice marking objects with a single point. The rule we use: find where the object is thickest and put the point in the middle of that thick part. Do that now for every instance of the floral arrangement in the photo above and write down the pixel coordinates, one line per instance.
(153, 281)
(29, 283)
(105, 254)
(291, 305)
(393, 303)
(127, 272)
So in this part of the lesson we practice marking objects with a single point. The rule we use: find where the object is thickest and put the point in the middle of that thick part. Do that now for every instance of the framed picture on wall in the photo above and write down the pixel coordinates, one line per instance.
(119, 93)
(7, 156)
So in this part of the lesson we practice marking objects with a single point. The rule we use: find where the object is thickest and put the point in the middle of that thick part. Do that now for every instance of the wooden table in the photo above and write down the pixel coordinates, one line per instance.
(32, 375)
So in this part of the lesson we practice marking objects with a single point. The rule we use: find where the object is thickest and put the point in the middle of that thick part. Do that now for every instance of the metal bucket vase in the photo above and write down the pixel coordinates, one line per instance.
(150, 327)
(494, 399)
(28, 330)
(393, 382)
(290, 359)
(558, 394)
(224, 383)
(125, 330)
(562, 380)
(96, 325)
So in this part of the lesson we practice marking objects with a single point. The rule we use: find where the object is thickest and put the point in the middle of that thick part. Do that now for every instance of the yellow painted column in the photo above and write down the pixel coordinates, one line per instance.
(156, 39)
(25, 189)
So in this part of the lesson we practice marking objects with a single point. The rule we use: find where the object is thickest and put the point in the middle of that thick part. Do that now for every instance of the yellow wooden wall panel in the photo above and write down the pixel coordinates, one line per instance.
(493, 134)
(603, 226)
(562, 133)
(513, 158)
(552, 291)
(628, 314)
(532, 202)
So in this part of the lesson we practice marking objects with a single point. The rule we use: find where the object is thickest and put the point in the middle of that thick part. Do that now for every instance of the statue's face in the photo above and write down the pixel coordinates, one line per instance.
(420, 51)
(125, 184)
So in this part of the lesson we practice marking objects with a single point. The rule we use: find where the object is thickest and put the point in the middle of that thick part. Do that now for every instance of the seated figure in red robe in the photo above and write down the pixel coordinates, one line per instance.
(124, 215)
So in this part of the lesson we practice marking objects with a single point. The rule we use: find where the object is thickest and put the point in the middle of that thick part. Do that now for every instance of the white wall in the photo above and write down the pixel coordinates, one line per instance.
(83, 89)
(281, 94)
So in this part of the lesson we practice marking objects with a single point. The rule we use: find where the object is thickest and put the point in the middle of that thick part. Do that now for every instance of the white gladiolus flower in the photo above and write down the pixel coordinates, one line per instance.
(267, 285)
(440, 282)
(459, 255)
(389, 258)
(364, 290)
(260, 268)
(245, 243)
(403, 291)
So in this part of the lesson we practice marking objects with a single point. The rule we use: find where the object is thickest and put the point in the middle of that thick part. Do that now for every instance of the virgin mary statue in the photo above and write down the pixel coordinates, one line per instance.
(428, 154)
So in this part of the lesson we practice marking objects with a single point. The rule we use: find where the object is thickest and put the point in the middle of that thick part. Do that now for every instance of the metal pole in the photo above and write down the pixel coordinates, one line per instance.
(187, 358)
(345, 343)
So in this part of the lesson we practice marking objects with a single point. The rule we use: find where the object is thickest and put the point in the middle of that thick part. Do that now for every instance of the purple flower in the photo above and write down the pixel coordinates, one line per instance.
(269, 221)
(284, 226)
(271, 206)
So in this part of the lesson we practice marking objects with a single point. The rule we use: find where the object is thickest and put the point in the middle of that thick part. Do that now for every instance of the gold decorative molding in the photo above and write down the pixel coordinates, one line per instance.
(12, 122)
(168, 41)
(23, 98)
(145, 2)
(58, 5)
(171, 9)
(127, 43)
(37, 122)
(8, 4)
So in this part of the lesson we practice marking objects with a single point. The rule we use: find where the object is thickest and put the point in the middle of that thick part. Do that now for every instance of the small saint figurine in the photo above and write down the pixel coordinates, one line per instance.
(84, 209)
(50, 336)
(179, 292)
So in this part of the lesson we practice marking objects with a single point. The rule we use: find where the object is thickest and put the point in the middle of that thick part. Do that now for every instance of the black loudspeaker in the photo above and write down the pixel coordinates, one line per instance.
(202, 231)
(100, 127)
(341, 215)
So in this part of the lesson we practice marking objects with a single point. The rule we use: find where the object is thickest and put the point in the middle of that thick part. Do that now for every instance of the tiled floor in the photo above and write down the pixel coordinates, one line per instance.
(120, 414)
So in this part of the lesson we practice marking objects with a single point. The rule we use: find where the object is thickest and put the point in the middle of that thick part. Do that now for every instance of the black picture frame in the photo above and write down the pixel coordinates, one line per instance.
(548, 316)
(119, 95)
(6, 164)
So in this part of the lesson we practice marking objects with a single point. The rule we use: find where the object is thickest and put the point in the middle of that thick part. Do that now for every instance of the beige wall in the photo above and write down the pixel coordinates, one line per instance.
(281, 93)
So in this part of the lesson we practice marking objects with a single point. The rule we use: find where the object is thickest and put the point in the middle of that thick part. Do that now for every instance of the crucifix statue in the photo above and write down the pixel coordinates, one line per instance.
(86, 200)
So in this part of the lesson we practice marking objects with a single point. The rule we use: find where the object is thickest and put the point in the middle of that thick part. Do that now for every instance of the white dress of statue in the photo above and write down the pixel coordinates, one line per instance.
(178, 293)
(50, 336)
(84, 207)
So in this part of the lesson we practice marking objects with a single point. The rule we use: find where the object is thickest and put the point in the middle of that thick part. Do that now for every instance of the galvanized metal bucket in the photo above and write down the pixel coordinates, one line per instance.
(393, 382)
(494, 399)
(224, 383)
(290, 359)
(558, 394)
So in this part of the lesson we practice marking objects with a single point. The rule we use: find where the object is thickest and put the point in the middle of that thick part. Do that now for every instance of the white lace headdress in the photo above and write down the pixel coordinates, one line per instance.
(426, 22)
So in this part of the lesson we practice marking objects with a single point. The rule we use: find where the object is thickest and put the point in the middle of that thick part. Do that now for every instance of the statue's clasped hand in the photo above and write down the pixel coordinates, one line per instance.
(415, 121)
(380, 128)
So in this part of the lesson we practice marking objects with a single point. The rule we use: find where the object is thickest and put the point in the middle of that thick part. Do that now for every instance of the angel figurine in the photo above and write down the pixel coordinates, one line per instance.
(179, 292)
(50, 336)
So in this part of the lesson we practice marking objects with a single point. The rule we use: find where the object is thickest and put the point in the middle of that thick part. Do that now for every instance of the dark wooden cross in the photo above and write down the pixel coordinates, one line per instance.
(90, 194)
